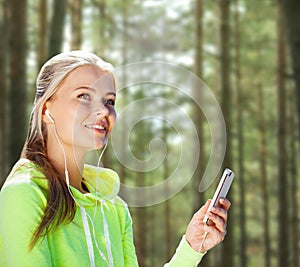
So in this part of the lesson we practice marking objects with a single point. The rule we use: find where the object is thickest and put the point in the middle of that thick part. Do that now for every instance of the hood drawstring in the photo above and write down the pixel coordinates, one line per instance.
(88, 237)
(107, 238)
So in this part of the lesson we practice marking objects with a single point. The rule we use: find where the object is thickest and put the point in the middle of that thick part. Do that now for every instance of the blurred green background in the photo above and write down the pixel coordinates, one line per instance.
(246, 52)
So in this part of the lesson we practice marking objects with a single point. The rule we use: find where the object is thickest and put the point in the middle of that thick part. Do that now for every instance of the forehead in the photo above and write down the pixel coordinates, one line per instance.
(90, 76)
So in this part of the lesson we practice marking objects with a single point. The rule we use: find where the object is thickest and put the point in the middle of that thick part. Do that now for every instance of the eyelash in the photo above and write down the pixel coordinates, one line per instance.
(110, 102)
(86, 96)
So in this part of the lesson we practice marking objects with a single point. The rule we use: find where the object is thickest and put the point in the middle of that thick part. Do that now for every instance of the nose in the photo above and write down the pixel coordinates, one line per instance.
(102, 110)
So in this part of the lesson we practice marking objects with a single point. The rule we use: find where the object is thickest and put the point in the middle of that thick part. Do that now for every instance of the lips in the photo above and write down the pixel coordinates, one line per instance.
(99, 127)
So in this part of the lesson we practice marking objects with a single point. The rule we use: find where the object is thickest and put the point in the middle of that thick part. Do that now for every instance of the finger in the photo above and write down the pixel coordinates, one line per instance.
(204, 208)
(224, 203)
(206, 205)
(218, 221)
(220, 212)
(199, 215)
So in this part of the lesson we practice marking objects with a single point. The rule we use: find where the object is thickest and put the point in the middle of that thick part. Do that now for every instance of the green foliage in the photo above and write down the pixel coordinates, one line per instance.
(131, 31)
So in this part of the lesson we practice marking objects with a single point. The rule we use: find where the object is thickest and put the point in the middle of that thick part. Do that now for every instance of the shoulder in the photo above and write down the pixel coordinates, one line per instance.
(120, 203)
(123, 210)
(25, 182)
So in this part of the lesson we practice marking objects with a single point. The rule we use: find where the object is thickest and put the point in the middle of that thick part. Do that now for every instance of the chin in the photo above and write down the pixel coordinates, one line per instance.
(100, 145)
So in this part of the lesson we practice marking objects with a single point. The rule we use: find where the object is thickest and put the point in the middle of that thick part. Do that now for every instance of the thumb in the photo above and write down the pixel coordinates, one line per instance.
(203, 210)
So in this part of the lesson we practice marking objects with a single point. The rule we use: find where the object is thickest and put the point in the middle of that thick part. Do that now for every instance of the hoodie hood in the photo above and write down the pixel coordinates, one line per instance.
(102, 182)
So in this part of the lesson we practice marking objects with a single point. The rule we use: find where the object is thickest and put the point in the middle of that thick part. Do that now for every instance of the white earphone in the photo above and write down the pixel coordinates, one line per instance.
(47, 113)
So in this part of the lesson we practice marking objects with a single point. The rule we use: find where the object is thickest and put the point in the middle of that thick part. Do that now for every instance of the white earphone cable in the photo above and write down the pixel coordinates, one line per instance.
(84, 214)
(64, 155)
(202, 242)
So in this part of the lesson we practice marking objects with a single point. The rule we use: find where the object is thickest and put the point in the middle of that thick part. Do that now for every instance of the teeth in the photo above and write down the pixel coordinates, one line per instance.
(100, 127)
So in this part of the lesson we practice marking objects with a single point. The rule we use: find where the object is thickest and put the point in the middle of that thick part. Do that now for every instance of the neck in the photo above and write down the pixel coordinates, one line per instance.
(74, 163)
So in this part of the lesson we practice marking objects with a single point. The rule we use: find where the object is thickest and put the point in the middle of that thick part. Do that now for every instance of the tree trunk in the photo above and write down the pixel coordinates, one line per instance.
(124, 84)
(290, 11)
(141, 213)
(57, 24)
(228, 243)
(102, 12)
(42, 41)
(101, 41)
(3, 85)
(263, 172)
(293, 167)
(167, 203)
(283, 248)
(76, 22)
(198, 197)
(17, 85)
(240, 136)
(198, 117)
(140, 231)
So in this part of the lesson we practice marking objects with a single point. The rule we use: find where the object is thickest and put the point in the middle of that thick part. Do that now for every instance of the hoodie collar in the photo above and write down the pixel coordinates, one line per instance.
(103, 184)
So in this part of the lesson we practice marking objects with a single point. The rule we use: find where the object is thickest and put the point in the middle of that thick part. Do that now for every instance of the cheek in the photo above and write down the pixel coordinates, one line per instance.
(81, 112)
(113, 118)
(71, 117)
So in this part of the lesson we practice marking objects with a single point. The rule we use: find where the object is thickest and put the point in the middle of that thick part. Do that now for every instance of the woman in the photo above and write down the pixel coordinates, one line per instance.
(57, 211)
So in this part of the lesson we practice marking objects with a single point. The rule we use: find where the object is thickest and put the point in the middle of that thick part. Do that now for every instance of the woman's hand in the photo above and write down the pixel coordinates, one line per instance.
(196, 230)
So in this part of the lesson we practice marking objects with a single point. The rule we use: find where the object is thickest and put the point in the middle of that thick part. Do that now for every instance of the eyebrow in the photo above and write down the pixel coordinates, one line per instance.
(93, 89)
(111, 93)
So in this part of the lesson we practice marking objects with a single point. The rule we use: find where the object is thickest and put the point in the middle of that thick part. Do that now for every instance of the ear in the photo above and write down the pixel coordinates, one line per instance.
(45, 115)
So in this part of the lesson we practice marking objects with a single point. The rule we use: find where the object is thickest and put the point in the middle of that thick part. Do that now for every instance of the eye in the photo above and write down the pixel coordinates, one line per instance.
(84, 96)
(110, 102)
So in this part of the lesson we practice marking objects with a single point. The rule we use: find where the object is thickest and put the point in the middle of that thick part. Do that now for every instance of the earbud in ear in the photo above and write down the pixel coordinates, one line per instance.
(47, 113)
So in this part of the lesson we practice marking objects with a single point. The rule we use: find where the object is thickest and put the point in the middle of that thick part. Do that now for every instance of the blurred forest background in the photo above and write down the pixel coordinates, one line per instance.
(246, 51)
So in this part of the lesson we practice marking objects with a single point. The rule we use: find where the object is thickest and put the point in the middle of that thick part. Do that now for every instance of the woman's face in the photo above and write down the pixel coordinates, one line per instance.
(83, 109)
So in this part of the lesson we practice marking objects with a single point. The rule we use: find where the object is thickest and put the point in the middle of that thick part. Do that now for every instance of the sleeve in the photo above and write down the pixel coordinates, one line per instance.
(185, 256)
(130, 258)
(21, 209)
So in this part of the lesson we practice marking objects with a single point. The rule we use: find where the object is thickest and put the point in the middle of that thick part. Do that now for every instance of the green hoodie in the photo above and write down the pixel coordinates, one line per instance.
(99, 235)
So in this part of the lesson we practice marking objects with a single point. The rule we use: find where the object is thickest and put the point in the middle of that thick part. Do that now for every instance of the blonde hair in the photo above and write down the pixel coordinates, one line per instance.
(60, 204)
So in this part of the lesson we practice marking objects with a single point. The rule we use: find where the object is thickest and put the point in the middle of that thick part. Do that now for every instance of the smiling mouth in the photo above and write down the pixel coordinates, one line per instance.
(99, 128)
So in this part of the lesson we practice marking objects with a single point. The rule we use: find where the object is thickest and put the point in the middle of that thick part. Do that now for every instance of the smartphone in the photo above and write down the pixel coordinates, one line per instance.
(221, 191)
